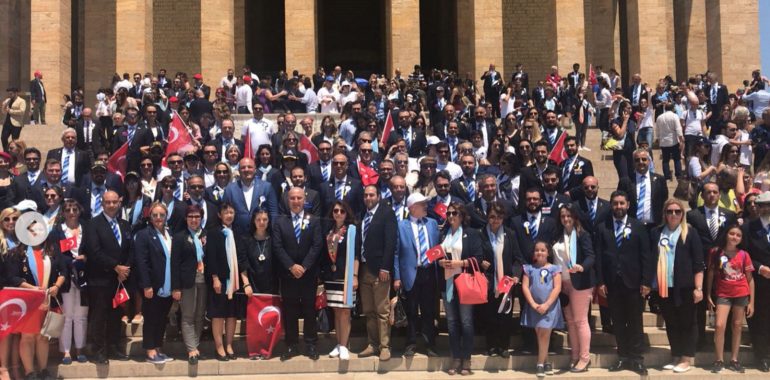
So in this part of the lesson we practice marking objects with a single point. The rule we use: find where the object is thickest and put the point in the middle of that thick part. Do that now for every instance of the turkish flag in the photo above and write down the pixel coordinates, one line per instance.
(386, 130)
(592, 75)
(68, 244)
(368, 175)
(505, 284)
(435, 253)
(117, 162)
(121, 296)
(263, 324)
(306, 146)
(15, 307)
(440, 209)
(179, 139)
(247, 150)
(559, 151)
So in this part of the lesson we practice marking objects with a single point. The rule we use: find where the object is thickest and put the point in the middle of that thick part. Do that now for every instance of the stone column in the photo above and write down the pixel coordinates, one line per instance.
(602, 27)
(690, 34)
(51, 50)
(100, 50)
(570, 35)
(133, 36)
(217, 40)
(732, 29)
(402, 28)
(650, 33)
(479, 37)
(301, 33)
(239, 34)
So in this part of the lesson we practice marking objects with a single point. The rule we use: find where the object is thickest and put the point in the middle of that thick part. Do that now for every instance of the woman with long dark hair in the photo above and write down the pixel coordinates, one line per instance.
(621, 130)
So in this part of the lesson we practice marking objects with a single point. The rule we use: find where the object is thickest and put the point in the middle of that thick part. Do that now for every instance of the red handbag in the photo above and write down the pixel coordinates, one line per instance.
(472, 286)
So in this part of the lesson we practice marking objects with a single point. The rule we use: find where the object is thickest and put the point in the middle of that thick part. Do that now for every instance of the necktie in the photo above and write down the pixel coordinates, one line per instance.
(217, 193)
(549, 199)
(385, 192)
(131, 132)
(533, 227)
(338, 192)
(566, 173)
(641, 199)
(551, 138)
(97, 201)
(423, 239)
(367, 221)
(66, 167)
(452, 150)
(471, 189)
(297, 227)
(325, 172)
(178, 190)
(592, 210)
(86, 135)
(407, 137)
(713, 94)
(618, 232)
(713, 225)
(114, 226)
(399, 214)
(31, 177)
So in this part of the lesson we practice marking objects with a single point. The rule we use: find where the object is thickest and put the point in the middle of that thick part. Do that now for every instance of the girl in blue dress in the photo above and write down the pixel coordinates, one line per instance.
(541, 285)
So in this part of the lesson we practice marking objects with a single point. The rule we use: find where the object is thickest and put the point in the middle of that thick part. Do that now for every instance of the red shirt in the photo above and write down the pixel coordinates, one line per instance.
(731, 281)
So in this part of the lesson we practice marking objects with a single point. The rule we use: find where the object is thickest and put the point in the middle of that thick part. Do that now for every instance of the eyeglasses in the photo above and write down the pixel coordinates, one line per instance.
(365, 150)
(195, 187)
(674, 212)
(175, 162)
(193, 216)
(401, 162)
(366, 140)
(71, 209)
(51, 196)
(452, 213)
(11, 219)
(339, 163)
(291, 139)
(158, 215)
(339, 211)
(210, 152)
(169, 186)
(221, 172)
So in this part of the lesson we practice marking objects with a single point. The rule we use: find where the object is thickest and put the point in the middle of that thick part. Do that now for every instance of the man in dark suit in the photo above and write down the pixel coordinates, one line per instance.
(481, 124)
(574, 77)
(107, 245)
(321, 170)
(249, 193)
(647, 191)
(38, 97)
(478, 209)
(625, 269)
(756, 243)
(465, 187)
(366, 158)
(551, 131)
(199, 85)
(95, 185)
(397, 199)
(297, 244)
(437, 205)
(312, 197)
(90, 135)
(151, 129)
(532, 176)
(492, 85)
(716, 94)
(593, 210)
(227, 138)
(710, 221)
(342, 187)
(441, 130)
(532, 225)
(378, 236)
(209, 212)
(552, 198)
(52, 176)
(575, 168)
(416, 142)
(636, 91)
(521, 75)
(75, 162)
(136, 88)
(24, 183)
(128, 134)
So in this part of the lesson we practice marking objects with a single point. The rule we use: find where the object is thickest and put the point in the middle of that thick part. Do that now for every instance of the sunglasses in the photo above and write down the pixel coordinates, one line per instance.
(193, 216)
(51, 196)
(339, 211)
(428, 166)
(452, 213)
(324, 149)
(366, 150)
(71, 209)
(339, 163)
(175, 162)
(196, 187)
(674, 212)
(221, 172)
(590, 187)
(158, 215)
(170, 186)
(291, 139)
(210, 151)
(11, 219)
(444, 151)
(366, 140)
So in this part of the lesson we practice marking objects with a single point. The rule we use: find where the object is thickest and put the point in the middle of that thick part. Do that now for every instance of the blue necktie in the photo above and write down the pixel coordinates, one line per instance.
(297, 227)
(533, 227)
(97, 201)
(452, 147)
(325, 172)
(131, 132)
(423, 238)
(640, 201)
(385, 193)
(566, 173)
(178, 190)
(618, 232)
(31, 177)
(114, 226)
(408, 138)
(338, 192)
(471, 185)
(592, 210)
(66, 167)
(365, 231)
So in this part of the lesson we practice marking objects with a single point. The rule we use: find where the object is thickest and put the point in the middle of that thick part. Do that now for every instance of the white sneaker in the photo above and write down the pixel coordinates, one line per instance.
(335, 352)
(344, 353)
(680, 369)
(669, 366)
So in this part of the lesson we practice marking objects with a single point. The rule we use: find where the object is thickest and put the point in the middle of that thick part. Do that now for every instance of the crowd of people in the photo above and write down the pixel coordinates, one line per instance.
(493, 175)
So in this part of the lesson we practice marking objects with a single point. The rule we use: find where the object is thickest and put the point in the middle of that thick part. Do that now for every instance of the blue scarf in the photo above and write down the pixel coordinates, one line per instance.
(137, 211)
(198, 245)
(669, 250)
(572, 249)
(165, 291)
(449, 243)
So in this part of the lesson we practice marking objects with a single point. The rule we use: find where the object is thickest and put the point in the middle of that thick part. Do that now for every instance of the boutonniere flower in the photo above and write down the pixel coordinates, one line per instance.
(543, 275)
(189, 239)
(526, 227)
(579, 164)
(283, 186)
(203, 241)
(722, 220)
(305, 222)
(723, 262)
(465, 235)
(261, 200)
(627, 233)
(664, 242)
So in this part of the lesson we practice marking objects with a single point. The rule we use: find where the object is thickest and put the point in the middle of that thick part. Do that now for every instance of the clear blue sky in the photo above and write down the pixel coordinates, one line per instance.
(764, 35)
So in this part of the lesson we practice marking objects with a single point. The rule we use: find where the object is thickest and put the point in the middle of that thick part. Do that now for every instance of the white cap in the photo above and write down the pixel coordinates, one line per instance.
(26, 205)
(345, 83)
(415, 198)
(433, 140)
(763, 198)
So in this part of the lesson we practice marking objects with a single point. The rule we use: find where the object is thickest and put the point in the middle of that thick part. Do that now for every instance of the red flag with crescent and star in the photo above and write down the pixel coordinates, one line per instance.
(179, 139)
(386, 130)
(263, 324)
(117, 162)
(68, 243)
(16, 305)
(559, 151)
(306, 146)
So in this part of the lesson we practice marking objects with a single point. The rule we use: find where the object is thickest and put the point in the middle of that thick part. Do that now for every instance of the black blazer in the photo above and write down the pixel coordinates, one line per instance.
(629, 93)
(530, 179)
(312, 202)
(111, 182)
(471, 245)
(215, 255)
(56, 235)
(342, 254)
(553, 210)
(755, 243)
(212, 214)
(697, 220)
(82, 162)
(315, 177)
(178, 221)
(211, 196)
(98, 137)
(459, 189)
(23, 188)
(479, 217)
(380, 248)
(103, 252)
(218, 142)
(603, 211)
(586, 258)
(688, 260)
(632, 263)
(512, 259)
(305, 253)
(419, 141)
(546, 231)
(581, 169)
(658, 196)
(69, 191)
(149, 260)
(18, 270)
(260, 269)
(184, 259)
(354, 197)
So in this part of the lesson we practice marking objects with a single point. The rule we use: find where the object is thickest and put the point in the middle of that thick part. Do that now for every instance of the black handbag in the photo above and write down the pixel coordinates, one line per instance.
(399, 311)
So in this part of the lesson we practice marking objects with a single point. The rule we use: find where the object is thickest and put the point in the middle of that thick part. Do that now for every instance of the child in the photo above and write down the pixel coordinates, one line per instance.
(729, 272)
(541, 286)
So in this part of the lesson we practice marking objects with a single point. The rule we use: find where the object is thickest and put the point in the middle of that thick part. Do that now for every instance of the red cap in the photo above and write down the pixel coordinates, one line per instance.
(38, 73)
(198, 76)
(247, 78)
(173, 99)
(6, 156)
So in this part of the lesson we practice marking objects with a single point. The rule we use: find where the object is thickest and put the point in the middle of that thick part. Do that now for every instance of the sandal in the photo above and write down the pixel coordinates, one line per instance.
(466, 368)
(454, 367)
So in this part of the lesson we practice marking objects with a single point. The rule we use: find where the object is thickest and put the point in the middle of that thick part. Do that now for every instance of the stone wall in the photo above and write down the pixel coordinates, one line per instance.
(177, 36)
(529, 34)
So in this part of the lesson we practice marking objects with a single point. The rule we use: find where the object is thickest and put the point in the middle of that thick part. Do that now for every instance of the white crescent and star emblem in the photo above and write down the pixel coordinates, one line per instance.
(18, 314)
(265, 311)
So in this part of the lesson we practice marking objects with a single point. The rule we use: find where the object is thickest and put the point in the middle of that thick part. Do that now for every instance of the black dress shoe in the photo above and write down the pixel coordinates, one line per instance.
(232, 356)
(193, 360)
(619, 366)
(504, 353)
(222, 358)
(409, 350)
(492, 352)
(764, 366)
(290, 352)
(639, 368)
(117, 355)
(100, 359)
(312, 353)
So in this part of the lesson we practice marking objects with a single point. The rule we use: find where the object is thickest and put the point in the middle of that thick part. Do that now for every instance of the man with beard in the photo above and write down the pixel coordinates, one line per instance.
(397, 200)
(532, 176)
(416, 142)
(387, 170)
(441, 129)
(552, 132)
(480, 124)
(464, 187)
(438, 205)
(552, 199)
(575, 168)
(625, 269)
(312, 198)
(478, 208)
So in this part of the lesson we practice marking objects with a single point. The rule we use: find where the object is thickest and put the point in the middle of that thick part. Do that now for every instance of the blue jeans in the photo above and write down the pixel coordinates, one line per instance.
(645, 134)
(459, 320)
